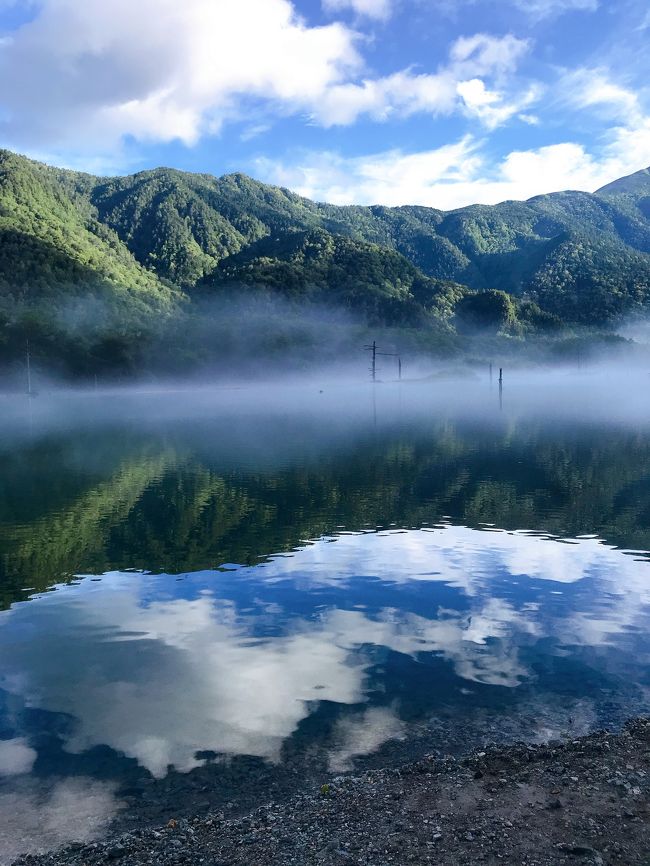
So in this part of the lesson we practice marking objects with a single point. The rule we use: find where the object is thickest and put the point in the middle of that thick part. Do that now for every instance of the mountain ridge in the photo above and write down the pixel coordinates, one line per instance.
(122, 256)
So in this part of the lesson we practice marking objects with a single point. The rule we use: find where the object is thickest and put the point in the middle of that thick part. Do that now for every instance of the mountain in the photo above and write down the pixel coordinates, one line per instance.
(183, 226)
(636, 185)
(66, 280)
(337, 269)
(93, 268)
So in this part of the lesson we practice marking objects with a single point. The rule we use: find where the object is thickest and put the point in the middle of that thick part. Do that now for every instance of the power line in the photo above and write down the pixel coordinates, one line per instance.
(375, 351)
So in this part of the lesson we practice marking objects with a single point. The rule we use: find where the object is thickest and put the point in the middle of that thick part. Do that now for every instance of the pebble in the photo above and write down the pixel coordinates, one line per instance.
(384, 818)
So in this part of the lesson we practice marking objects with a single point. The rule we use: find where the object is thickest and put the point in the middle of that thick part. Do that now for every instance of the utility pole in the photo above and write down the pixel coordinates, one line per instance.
(375, 351)
(500, 387)
(29, 370)
(373, 367)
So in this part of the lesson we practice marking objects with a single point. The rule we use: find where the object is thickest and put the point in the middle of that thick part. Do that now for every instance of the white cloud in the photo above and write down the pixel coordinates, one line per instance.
(490, 107)
(400, 94)
(593, 88)
(82, 78)
(390, 178)
(254, 131)
(406, 93)
(482, 54)
(547, 8)
(161, 70)
(459, 174)
(379, 9)
(537, 10)
(645, 22)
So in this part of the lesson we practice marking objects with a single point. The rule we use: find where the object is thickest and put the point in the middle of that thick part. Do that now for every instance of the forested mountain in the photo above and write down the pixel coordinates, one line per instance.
(328, 268)
(91, 266)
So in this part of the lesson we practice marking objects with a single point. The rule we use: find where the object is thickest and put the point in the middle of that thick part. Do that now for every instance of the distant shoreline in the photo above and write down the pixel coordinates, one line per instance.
(584, 800)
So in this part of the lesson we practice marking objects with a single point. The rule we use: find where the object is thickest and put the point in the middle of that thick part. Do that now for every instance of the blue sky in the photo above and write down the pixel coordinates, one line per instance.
(435, 102)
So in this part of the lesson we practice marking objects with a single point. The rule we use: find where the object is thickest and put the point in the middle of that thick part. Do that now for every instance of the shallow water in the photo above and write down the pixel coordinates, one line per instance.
(211, 599)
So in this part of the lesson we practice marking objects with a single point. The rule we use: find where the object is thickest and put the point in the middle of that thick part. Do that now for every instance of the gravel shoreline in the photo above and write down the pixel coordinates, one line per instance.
(586, 800)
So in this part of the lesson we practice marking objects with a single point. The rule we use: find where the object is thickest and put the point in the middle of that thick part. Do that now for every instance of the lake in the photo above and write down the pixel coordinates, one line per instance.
(212, 597)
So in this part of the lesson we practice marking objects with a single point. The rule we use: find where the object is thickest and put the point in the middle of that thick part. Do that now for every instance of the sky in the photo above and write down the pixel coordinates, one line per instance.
(433, 102)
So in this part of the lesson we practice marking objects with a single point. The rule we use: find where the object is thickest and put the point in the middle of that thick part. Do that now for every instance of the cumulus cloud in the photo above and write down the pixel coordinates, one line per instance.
(85, 77)
(401, 94)
(161, 70)
(490, 107)
(454, 86)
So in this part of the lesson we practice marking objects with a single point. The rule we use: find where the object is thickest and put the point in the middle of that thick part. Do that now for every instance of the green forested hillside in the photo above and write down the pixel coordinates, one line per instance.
(635, 185)
(66, 280)
(354, 275)
(93, 269)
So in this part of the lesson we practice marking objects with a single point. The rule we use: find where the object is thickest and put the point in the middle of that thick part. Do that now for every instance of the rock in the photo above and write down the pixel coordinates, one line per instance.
(581, 851)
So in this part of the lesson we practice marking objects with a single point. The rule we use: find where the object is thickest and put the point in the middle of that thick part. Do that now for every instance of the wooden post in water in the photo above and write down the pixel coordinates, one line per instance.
(500, 375)
(490, 372)
(375, 351)
(29, 370)
(373, 368)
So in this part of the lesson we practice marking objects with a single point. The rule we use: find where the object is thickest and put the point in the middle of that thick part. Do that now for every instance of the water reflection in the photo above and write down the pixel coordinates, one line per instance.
(232, 662)
(45, 816)
(424, 584)
(186, 498)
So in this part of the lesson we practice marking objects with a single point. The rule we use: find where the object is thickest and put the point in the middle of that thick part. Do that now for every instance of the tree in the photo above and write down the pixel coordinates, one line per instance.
(492, 310)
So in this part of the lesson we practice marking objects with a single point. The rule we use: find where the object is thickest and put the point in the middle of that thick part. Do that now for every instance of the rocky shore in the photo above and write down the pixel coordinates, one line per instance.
(586, 800)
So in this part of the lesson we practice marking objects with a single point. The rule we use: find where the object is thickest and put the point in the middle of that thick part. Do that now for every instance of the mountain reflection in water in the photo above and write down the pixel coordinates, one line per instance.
(257, 616)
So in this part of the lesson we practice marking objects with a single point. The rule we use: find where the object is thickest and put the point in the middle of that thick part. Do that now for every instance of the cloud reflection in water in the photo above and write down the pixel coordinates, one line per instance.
(159, 669)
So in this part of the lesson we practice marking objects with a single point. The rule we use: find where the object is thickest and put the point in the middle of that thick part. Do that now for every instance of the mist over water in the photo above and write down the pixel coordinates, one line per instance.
(213, 595)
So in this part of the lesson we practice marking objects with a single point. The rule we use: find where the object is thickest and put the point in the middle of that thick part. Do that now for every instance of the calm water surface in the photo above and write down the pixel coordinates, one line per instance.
(215, 598)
